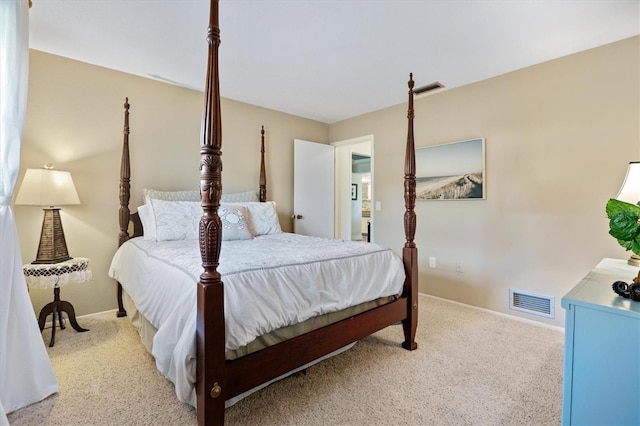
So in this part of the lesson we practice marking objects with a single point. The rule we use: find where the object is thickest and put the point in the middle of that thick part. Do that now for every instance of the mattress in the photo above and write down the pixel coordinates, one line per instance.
(272, 283)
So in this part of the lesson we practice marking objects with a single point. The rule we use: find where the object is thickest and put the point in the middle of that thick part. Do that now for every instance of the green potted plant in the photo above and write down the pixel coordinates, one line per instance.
(624, 226)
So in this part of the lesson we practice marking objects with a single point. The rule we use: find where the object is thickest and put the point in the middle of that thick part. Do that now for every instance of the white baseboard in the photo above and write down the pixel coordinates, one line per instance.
(98, 313)
(500, 314)
(65, 317)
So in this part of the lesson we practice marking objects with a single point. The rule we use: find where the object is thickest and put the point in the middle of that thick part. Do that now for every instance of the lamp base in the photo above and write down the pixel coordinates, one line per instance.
(53, 246)
(634, 260)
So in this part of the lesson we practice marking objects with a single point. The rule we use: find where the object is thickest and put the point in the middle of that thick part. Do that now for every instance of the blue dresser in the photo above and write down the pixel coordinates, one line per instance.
(602, 350)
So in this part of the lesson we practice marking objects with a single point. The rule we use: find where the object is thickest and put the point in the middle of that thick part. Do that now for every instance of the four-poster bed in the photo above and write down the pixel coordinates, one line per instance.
(221, 377)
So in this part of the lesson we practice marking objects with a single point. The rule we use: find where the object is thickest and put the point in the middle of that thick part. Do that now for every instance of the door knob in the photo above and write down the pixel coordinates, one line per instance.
(297, 216)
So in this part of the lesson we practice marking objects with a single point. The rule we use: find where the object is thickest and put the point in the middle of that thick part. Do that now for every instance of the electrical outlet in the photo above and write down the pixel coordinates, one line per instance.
(432, 262)
(459, 266)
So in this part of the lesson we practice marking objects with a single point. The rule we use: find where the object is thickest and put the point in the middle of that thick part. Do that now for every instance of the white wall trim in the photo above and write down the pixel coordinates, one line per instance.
(98, 313)
(500, 314)
(65, 316)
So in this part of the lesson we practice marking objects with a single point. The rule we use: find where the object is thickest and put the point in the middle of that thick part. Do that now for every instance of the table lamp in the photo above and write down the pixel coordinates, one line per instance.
(48, 187)
(630, 193)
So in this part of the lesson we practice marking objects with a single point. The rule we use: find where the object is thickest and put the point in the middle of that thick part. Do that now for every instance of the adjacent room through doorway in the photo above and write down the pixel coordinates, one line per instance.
(354, 189)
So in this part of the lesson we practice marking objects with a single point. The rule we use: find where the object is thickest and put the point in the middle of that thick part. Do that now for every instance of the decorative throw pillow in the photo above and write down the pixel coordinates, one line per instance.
(263, 217)
(234, 222)
(180, 220)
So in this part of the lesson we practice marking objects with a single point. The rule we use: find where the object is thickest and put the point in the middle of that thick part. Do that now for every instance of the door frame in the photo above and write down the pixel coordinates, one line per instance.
(342, 182)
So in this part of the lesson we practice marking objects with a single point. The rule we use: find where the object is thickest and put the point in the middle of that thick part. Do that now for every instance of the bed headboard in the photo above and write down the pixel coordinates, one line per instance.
(130, 223)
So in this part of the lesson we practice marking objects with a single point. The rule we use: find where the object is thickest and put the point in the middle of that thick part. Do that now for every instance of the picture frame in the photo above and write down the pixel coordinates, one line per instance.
(451, 171)
(354, 191)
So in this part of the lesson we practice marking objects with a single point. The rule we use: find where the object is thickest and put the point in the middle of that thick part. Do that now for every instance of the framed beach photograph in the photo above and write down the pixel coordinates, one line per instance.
(451, 171)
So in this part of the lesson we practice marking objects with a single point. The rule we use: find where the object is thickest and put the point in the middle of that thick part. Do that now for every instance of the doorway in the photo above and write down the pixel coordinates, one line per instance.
(354, 189)
(360, 196)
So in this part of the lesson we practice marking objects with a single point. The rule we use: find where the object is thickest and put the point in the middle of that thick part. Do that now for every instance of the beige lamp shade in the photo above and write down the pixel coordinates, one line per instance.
(47, 187)
(630, 190)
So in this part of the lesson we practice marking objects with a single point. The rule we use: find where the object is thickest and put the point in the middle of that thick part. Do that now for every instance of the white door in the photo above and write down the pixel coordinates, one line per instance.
(313, 199)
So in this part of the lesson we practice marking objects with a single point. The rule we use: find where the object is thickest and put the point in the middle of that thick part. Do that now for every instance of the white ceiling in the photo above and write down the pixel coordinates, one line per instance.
(327, 60)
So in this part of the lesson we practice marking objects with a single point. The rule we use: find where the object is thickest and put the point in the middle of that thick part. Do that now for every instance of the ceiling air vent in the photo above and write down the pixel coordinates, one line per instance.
(428, 88)
(531, 303)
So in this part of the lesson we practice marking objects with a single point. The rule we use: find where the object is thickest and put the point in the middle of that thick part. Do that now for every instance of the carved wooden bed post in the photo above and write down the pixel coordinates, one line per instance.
(125, 195)
(210, 329)
(410, 251)
(263, 175)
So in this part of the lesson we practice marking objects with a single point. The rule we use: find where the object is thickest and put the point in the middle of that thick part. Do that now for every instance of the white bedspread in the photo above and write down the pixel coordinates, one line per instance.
(269, 282)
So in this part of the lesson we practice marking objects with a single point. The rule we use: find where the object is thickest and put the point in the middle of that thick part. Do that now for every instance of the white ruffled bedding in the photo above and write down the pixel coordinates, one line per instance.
(270, 282)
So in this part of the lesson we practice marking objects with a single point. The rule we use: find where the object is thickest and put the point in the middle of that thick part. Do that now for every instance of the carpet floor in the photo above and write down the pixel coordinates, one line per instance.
(471, 368)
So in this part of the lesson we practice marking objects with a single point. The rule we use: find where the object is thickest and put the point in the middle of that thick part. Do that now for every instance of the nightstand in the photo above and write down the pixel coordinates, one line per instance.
(55, 275)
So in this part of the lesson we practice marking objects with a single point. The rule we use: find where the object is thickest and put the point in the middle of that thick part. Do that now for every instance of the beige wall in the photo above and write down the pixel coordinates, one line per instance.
(559, 136)
(75, 120)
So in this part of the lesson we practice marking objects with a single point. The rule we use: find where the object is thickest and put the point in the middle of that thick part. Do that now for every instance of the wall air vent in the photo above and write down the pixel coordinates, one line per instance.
(428, 88)
(531, 303)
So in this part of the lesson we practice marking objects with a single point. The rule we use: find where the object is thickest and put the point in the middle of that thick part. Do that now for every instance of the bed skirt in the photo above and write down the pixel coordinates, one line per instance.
(147, 332)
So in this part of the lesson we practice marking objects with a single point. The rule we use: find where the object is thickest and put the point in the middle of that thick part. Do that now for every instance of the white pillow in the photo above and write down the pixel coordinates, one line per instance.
(170, 195)
(234, 222)
(239, 197)
(176, 220)
(180, 220)
(263, 217)
(148, 220)
(236, 197)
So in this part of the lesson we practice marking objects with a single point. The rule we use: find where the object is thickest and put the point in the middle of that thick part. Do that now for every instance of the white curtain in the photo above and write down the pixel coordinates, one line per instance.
(26, 374)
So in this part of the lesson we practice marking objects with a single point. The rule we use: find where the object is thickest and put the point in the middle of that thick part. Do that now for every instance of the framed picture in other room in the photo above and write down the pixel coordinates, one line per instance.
(354, 191)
